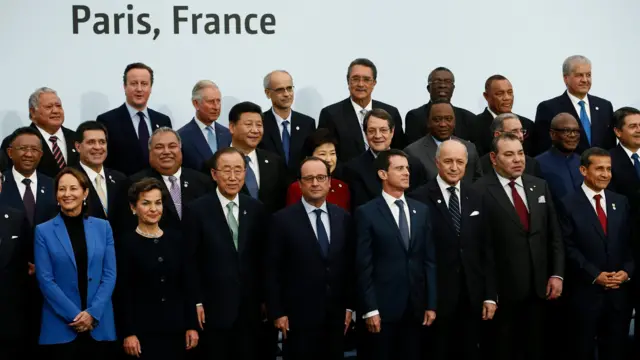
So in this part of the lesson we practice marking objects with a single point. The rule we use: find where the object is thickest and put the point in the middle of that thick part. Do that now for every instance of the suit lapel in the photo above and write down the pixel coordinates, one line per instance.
(595, 121)
(613, 217)
(7, 244)
(415, 225)
(129, 132)
(303, 218)
(352, 123)
(391, 221)
(297, 140)
(47, 160)
(199, 141)
(223, 138)
(267, 176)
(336, 240)
(591, 214)
(90, 239)
(273, 131)
(497, 191)
(369, 174)
(44, 191)
(534, 196)
(11, 193)
(436, 196)
(572, 109)
(63, 237)
(155, 125)
(243, 224)
(221, 226)
(70, 141)
(111, 189)
(429, 155)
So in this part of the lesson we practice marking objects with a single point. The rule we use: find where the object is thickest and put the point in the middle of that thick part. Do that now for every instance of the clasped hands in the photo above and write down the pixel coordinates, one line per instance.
(82, 322)
(612, 280)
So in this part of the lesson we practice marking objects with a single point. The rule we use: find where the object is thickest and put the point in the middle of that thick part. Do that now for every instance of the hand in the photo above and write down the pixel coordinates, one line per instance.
(82, 322)
(263, 311)
(282, 324)
(608, 280)
(200, 310)
(429, 317)
(620, 277)
(488, 310)
(32, 269)
(347, 321)
(131, 346)
(554, 288)
(373, 324)
(192, 339)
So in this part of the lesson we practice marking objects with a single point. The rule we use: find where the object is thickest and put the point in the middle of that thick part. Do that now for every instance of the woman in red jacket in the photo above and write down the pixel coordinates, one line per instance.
(322, 145)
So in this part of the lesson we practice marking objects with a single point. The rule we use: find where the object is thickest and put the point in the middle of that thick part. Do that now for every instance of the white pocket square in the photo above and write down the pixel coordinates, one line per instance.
(541, 200)
(475, 213)
(14, 237)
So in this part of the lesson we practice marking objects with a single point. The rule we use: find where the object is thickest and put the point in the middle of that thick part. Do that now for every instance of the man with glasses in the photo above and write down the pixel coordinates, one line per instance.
(285, 130)
(509, 123)
(498, 92)
(441, 84)
(344, 119)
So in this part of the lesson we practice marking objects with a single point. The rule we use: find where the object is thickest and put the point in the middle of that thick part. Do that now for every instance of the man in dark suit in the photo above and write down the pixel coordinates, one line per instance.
(16, 239)
(463, 291)
(108, 190)
(130, 125)
(441, 124)
(344, 118)
(182, 184)
(441, 84)
(309, 269)
(225, 230)
(203, 136)
(594, 114)
(285, 130)
(395, 264)
(509, 123)
(596, 230)
(47, 116)
(266, 178)
(4, 163)
(524, 244)
(625, 180)
(498, 92)
(360, 173)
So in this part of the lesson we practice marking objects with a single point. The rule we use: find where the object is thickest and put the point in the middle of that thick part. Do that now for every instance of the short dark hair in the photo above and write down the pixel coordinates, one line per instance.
(241, 108)
(137, 65)
(439, 101)
(25, 130)
(491, 79)
(621, 114)
(88, 126)
(585, 158)
(440, 68)
(212, 162)
(83, 180)
(142, 186)
(383, 162)
(318, 138)
(501, 137)
(380, 114)
(313, 158)
(363, 62)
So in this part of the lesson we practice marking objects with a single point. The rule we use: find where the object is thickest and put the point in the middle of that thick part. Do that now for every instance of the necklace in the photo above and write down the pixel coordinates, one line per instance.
(147, 235)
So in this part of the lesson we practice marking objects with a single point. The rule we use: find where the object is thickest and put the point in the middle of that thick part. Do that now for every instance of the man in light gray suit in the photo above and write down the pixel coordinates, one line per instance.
(440, 125)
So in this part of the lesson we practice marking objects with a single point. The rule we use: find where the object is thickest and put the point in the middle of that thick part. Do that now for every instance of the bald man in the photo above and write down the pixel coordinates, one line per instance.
(465, 296)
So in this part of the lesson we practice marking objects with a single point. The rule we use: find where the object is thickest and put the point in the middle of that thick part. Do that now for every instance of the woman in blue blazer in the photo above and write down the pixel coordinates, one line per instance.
(76, 269)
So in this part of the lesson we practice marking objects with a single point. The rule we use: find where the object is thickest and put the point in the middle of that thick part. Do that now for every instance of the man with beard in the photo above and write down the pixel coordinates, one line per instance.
(441, 84)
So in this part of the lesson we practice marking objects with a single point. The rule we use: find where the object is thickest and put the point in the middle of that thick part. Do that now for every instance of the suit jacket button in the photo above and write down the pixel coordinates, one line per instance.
(163, 299)
(160, 259)
(155, 241)
(161, 279)
(90, 279)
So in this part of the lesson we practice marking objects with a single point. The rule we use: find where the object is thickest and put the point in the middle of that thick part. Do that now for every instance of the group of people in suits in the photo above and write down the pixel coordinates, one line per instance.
(129, 238)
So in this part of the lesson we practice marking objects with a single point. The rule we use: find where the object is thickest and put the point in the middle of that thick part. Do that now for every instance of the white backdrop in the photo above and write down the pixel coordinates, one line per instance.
(525, 40)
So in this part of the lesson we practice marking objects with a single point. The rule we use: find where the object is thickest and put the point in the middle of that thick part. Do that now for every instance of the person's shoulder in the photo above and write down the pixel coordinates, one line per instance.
(303, 117)
(111, 115)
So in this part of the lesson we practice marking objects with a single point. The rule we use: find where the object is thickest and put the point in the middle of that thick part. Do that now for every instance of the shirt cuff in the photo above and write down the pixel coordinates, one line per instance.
(370, 314)
(199, 305)
(349, 310)
(557, 277)
(490, 302)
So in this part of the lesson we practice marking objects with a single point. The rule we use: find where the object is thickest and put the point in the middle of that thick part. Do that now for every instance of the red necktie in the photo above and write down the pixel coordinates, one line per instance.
(521, 209)
(601, 215)
(57, 154)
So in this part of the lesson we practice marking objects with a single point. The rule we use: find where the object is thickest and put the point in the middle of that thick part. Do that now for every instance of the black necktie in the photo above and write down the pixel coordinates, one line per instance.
(323, 238)
(29, 200)
(454, 208)
(143, 136)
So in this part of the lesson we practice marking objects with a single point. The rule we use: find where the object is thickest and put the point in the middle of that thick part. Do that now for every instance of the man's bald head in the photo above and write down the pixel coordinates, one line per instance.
(563, 119)
(565, 132)
(451, 159)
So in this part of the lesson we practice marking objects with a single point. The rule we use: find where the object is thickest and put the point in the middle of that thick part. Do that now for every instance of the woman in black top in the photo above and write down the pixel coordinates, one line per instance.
(157, 312)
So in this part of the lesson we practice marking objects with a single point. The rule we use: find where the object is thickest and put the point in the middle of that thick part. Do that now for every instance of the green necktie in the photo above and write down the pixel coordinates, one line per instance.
(233, 223)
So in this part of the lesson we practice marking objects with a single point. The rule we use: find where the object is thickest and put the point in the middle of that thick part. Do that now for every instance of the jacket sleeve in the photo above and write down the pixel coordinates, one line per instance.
(107, 278)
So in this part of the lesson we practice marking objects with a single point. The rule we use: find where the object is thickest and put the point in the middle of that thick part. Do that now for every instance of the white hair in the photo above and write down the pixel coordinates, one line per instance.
(196, 93)
(466, 153)
(34, 98)
(267, 79)
(567, 65)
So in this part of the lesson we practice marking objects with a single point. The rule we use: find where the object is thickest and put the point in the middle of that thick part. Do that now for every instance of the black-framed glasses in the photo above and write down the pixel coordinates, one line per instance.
(319, 178)
(567, 131)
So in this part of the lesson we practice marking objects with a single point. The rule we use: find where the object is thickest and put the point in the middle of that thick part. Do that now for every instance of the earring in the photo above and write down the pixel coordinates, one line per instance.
(133, 212)
(84, 202)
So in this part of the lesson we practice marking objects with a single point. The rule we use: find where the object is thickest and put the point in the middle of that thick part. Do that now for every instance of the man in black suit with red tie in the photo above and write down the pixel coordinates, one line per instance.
(440, 85)
(130, 125)
(285, 130)
(344, 119)
(524, 244)
(596, 230)
(594, 114)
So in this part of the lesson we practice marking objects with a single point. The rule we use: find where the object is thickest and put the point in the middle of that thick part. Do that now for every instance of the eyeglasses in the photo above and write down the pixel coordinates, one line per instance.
(517, 131)
(383, 131)
(26, 149)
(229, 172)
(357, 79)
(282, 90)
(319, 178)
(567, 131)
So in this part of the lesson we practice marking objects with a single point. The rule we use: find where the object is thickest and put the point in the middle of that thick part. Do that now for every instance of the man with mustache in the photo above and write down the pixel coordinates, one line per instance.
(203, 136)
(130, 125)
(594, 114)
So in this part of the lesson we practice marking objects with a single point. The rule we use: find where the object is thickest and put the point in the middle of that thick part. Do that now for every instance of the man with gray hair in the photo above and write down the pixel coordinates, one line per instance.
(47, 116)
(203, 136)
(509, 123)
(594, 114)
(181, 184)
(285, 130)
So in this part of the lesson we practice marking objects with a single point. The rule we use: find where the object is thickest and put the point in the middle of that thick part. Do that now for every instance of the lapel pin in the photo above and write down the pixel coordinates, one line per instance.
(186, 184)
(530, 189)
(42, 191)
(414, 211)
(157, 126)
(597, 108)
(6, 216)
(332, 190)
(112, 181)
(439, 201)
(266, 161)
(339, 185)
(74, 150)
(297, 127)
(613, 206)
(244, 212)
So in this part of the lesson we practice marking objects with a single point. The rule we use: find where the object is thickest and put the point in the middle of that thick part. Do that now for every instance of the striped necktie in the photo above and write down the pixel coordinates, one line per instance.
(57, 154)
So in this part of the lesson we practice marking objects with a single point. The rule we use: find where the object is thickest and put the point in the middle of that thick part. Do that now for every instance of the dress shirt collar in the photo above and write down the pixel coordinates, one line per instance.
(133, 113)
(224, 201)
(253, 156)
(391, 201)
(444, 186)
(92, 175)
(311, 208)
(505, 182)
(575, 100)
(628, 152)
(19, 177)
(203, 126)
(177, 175)
(59, 134)
(492, 113)
(590, 193)
(357, 107)
(280, 120)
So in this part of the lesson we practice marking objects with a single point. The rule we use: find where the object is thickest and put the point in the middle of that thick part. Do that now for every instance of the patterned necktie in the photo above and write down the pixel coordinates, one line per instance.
(143, 136)
(601, 215)
(250, 179)
(363, 113)
(521, 208)
(57, 154)
(636, 164)
(29, 200)
(211, 139)
(403, 224)
(323, 238)
(100, 192)
(233, 223)
(584, 119)
(454, 208)
(286, 140)
(175, 194)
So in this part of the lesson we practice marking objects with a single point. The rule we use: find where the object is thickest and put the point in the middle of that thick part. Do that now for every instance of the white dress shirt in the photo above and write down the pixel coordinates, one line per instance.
(629, 153)
(133, 113)
(357, 108)
(312, 217)
(62, 142)
(224, 202)
(22, 187)
(590, 194)
(177, 175)
(519, 188)
(492, 113)
(92, 175)
(444, 188)
(280, 120)
(254, 165)
(575, 101)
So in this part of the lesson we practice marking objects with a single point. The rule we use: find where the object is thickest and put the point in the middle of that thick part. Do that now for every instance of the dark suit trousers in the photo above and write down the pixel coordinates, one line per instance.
(396, 340)
(519, 330)
(163, 346)
(267, 341)
(82, 348)
(236, 343)
(13, 348)
(322, 343)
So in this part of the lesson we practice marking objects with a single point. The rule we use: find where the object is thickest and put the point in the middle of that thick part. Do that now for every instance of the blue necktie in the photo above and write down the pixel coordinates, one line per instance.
(286, 140)
(323, 239)
(143, 136)
(636, 164)
(250, 179)
(211, 139)
(403, 224)
(584, 119)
